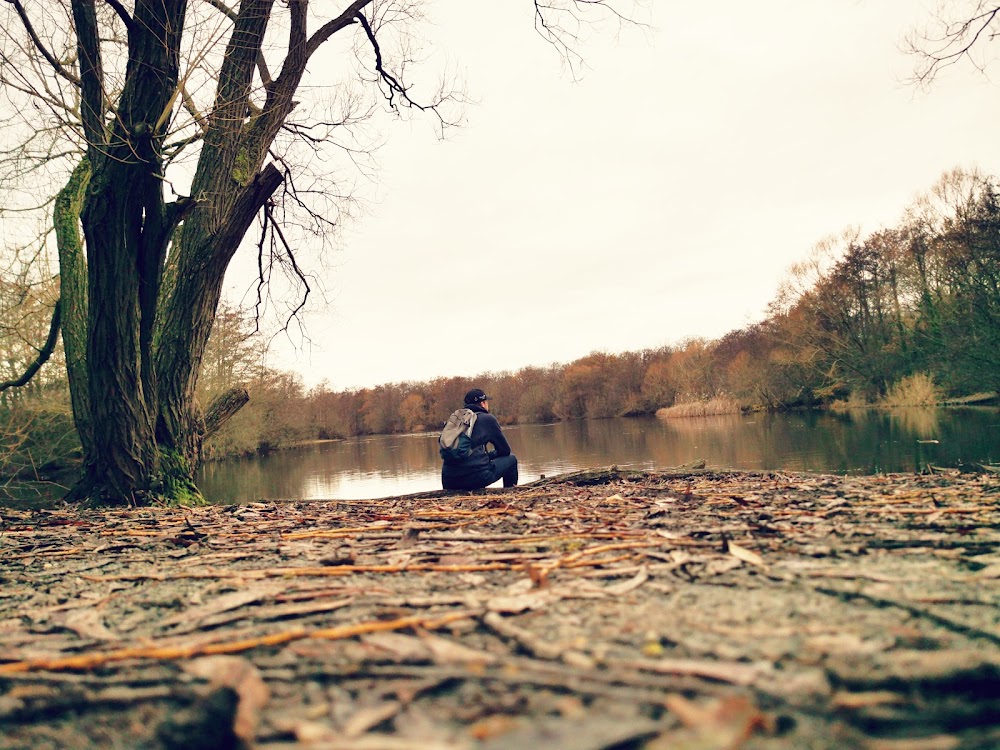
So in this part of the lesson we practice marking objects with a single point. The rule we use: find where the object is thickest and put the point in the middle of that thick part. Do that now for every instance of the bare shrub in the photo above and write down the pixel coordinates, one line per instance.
(36, 443)
(918, 389)
(710, 407)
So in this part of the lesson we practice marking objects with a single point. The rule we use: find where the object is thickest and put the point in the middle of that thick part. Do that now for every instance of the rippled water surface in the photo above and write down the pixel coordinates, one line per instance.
(857, 442)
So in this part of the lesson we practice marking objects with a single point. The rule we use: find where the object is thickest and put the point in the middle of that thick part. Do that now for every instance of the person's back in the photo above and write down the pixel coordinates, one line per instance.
(481, 467)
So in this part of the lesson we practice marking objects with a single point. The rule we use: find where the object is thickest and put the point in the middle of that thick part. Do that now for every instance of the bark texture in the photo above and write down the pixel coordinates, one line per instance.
(73, 296)
(127, 227)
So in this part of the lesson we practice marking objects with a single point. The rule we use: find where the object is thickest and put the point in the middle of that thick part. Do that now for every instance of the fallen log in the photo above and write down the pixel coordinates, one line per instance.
(223, 408)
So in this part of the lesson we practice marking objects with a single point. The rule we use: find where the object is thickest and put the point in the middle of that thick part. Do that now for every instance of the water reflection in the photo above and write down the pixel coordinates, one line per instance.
(860, 442)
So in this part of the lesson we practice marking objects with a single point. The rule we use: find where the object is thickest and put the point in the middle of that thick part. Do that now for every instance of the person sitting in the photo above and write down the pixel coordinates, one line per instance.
(481, 468)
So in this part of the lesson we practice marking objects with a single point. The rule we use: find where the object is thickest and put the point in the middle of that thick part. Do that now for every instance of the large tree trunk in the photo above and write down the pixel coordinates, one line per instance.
(228, 193)
(123, 455)
(187, 313)
(127, 227)
(73, 297)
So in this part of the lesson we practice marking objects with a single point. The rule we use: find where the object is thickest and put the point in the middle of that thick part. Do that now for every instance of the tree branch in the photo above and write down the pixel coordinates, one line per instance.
(224, 143)
(43, 354)
(330, 28)
(955, 42)
(559, 23)
(247, 205)
(258, 137)
(49, 57)
(290, 254)
(224, 407)
(265, 74)
(122, 13)
(394, 85)
(88, 45)
(223, 9)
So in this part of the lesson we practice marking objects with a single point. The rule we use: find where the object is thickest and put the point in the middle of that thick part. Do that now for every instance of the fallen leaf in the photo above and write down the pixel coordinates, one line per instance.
(223, 603)
(403, 647)
(714, 725)
(733, 672)
(571, 707)
(12, 625)
(521, 602)
(309, 731)
(538, 574)
(688, 712)
(934, 742)
(457, 560)
(445, 651)
(242, 676)
(88, 624)
(631, 584)
(369, 717)
(744, 554)
(653, 649)
(495, 725)
(409, 538)
(340, 556)
(305, 730)
(845, 699)
(573, 733)
(846, 643)
(578, 659)
(722, 565)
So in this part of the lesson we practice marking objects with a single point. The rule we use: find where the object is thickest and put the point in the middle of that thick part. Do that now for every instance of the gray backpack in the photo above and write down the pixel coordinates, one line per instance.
(455, 441)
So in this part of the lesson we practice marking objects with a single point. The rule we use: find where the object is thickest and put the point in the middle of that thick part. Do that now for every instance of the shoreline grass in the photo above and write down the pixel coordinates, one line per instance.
(709, 408)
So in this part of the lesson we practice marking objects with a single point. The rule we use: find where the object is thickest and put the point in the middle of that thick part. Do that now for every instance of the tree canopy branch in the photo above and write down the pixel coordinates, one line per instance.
(49, 57)
(122, 13)
(954, 42)
(43, 354)
(331, 27)
(88, 46)
(223, 9)
(265, 74)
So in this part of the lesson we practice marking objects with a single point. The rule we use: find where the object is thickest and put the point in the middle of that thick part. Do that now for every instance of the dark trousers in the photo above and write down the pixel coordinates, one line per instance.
(502, 467)
(506, 467)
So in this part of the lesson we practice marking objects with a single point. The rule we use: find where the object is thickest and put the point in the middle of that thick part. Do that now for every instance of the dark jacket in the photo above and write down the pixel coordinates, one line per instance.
(486, 430)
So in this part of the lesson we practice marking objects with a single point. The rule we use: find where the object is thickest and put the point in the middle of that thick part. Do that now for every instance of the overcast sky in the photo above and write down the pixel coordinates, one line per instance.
(662, 196)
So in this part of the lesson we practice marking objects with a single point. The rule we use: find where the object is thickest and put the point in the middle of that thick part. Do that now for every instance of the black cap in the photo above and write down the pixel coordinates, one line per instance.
(475, 396)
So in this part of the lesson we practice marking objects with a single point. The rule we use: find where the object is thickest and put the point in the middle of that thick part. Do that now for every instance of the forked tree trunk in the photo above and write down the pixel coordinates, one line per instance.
(149, 319)
(127, 227)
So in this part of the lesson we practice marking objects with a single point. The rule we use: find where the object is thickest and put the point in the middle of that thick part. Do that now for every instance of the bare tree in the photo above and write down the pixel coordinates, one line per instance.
(172, 127)
(957, 32)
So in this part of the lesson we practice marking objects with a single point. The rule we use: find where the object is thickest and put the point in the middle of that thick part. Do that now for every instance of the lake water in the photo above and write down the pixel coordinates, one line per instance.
(862, 442)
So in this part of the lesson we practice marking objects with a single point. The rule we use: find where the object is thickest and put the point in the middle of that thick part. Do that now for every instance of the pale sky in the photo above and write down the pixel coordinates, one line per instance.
(662, 196)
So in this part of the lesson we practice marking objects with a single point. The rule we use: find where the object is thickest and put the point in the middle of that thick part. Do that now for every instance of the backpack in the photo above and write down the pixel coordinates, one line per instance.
(455, 441)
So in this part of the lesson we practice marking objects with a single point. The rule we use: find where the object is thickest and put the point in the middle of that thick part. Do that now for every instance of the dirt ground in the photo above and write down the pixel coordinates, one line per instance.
(600, 611)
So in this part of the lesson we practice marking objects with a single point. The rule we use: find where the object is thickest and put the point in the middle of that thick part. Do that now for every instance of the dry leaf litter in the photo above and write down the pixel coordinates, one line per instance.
(603, 610)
